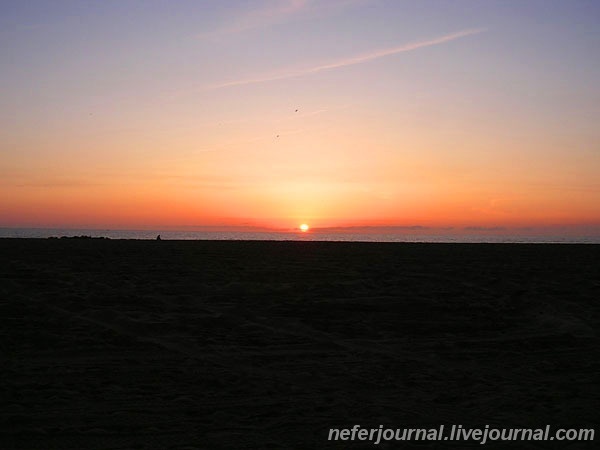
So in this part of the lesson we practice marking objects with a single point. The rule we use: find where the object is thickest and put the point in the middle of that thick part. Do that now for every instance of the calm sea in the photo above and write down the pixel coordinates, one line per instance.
(313, 235)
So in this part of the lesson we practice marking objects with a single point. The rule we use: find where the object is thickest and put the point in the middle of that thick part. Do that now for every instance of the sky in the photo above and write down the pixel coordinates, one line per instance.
(272, 113)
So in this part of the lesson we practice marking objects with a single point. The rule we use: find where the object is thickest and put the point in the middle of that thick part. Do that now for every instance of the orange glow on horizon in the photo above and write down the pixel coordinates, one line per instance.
(263, 136)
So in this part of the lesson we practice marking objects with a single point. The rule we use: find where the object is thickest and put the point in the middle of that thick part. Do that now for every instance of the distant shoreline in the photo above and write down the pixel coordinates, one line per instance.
(304, 241)
(316, 236)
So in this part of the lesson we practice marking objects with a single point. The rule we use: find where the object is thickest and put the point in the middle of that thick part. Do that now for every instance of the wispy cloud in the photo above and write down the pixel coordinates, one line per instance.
(359, 59)
(275, 12)
(270, 14)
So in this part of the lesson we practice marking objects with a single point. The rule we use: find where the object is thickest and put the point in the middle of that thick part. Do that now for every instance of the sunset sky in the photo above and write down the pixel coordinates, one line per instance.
(273, 113)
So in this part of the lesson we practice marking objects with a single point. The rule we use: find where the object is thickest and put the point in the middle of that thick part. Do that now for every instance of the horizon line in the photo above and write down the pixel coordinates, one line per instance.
(259, 228)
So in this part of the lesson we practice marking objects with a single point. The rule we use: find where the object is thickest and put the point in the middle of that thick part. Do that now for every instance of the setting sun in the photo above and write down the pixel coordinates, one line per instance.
(304, 228)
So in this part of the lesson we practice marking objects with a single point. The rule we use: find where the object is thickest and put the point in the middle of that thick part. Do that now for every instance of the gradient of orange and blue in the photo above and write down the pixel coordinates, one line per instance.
(272, 113)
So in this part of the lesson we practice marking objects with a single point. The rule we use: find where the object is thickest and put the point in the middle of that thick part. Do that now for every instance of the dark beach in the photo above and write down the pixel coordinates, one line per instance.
(115, 344)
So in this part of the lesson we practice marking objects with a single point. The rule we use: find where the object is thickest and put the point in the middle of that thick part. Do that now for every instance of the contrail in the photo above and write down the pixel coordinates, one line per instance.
(351, 61)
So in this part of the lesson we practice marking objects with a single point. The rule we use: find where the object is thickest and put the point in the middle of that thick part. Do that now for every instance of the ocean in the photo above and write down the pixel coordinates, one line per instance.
(312, 235)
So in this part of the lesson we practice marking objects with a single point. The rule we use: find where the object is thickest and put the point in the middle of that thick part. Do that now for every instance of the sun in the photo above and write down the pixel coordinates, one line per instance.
(304, 228)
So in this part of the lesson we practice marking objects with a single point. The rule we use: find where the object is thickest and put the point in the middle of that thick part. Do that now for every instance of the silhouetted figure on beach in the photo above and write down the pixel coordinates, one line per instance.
(158, 237)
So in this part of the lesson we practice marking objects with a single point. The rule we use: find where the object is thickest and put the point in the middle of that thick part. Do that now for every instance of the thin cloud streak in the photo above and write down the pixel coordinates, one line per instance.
(351, 61)
(277, 13)
(261, 17)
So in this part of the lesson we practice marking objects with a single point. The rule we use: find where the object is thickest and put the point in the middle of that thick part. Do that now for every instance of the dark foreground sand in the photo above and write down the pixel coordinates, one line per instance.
(177, 345)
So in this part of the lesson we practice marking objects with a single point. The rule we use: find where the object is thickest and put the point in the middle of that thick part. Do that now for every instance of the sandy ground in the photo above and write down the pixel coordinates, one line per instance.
(113, 344)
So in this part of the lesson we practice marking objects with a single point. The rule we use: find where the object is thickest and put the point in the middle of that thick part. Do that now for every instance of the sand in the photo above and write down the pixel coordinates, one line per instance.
(114, 344)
